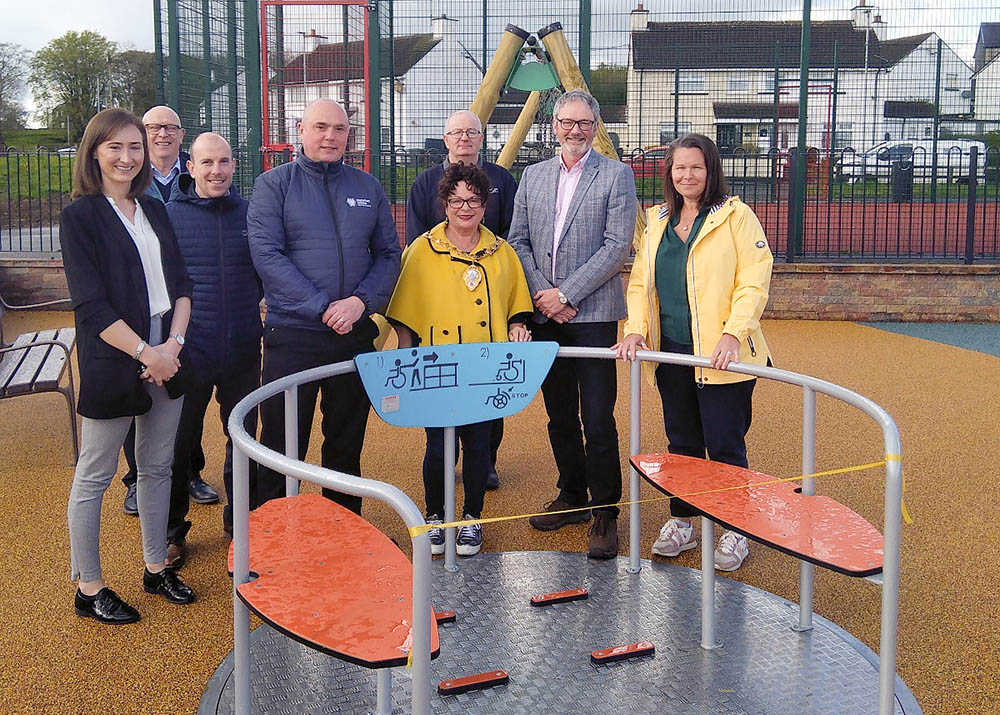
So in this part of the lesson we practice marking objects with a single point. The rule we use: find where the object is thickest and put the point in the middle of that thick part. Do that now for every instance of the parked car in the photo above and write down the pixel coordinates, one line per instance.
(877, 163)
(648, 163)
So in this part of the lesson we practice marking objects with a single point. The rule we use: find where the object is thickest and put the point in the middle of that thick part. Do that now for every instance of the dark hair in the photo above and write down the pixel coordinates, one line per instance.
(87, 179)
(715, 181)
(474, 177)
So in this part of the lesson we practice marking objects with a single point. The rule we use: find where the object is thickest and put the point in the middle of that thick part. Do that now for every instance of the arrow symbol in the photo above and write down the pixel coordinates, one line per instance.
(432, 357)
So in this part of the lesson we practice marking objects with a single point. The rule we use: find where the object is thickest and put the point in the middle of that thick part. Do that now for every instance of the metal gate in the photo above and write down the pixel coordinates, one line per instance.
(312, 49)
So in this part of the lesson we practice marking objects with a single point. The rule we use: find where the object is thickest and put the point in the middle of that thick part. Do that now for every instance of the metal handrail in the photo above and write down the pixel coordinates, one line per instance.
(244, 447)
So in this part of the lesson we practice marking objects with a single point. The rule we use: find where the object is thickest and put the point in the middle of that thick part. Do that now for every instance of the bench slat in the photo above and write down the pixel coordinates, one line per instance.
(52, 369)
(817, 529)
(331, 580)
(24, 379)
(11, 361)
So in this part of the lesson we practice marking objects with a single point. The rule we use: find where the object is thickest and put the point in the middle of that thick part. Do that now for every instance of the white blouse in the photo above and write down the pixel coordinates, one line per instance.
(148, 246)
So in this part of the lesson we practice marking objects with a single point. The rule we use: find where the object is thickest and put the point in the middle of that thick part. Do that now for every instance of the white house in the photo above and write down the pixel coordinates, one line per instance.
(987, 89)
(720, 77)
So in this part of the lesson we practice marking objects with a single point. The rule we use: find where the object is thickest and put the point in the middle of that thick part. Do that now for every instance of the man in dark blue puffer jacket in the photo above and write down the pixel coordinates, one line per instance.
(223, 337)
(325, 245)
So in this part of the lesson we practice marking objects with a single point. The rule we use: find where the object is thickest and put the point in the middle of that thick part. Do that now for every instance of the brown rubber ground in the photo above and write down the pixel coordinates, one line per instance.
(944, 399)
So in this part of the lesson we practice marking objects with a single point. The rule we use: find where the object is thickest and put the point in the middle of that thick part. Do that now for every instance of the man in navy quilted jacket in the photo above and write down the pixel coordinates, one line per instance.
(325, 245)
(223, 337)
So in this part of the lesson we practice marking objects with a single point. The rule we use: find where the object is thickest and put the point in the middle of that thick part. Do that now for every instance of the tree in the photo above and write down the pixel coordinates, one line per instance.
(72, 72)
(132, 80)
(13, 72)
(609, 84)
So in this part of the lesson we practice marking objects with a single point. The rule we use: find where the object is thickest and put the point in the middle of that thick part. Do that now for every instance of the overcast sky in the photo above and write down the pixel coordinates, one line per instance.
(33, 23)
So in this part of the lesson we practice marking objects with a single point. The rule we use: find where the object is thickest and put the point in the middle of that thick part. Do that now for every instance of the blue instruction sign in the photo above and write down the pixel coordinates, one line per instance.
(454, 385)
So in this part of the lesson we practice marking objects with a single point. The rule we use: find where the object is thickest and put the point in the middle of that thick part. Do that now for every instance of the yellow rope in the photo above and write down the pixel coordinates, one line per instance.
(424, 528)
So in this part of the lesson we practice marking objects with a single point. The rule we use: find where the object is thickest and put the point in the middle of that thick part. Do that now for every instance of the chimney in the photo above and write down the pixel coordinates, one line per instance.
(640, 18)
(861, 16)
(440, 27)
(879, 27)
(312, 40)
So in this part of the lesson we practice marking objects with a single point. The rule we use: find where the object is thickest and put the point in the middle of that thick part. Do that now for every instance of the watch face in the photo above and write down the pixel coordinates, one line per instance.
(562, 298)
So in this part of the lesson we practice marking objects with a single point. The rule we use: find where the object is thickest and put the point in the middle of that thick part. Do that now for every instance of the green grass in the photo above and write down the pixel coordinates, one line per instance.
(31, 139)
(33, 176)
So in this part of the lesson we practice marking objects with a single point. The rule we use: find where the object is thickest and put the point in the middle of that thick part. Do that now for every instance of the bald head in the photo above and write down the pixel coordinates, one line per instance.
(463, 135)
(324, 130)
(211, 165)
(210, 142)
(164, 136)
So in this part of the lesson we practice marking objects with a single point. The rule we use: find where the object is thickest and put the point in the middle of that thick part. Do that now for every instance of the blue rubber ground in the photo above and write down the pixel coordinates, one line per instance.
(981, 337)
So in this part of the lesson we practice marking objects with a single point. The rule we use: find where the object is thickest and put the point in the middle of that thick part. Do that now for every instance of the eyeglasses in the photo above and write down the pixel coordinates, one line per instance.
(168, 128)
(456, 133)
(568, 124)
(474, 203)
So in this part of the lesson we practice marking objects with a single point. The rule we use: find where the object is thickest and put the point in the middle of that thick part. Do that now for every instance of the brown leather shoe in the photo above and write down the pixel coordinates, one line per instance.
(603, 537)
(176, 554)
(551, 522)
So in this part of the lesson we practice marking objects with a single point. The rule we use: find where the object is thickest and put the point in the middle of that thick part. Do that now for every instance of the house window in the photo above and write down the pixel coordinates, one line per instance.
(950, 81)
(844, 135)
(738, 84)
(692, 82)
(667, 131)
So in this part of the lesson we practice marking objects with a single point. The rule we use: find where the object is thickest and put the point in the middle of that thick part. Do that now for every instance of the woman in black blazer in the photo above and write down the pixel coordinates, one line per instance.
(131, 299)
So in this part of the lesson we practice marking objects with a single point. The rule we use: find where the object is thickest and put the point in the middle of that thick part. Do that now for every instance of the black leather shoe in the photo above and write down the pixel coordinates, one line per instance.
(169, 585)
(105, 607)
(200, 492)
(492, 480)
(131, 505)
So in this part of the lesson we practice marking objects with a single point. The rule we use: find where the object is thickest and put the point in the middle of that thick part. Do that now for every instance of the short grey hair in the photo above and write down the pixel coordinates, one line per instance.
(578, 95)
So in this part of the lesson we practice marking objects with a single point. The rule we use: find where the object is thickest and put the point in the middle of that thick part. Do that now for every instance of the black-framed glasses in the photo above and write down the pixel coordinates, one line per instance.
(568, 124)
(456, 203)
(456, 133)
(168, 128)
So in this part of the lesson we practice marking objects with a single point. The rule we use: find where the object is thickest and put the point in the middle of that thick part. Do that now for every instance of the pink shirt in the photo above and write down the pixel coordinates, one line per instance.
(568, 181)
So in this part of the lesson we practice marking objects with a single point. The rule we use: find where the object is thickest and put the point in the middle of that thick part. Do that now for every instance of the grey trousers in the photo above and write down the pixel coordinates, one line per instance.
(101, 441)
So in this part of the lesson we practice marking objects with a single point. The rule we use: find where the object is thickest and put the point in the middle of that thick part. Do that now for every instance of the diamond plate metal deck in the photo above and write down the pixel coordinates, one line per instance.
(763, 667)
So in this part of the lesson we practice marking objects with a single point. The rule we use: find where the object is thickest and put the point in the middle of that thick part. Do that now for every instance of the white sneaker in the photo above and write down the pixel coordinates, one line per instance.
(436, 535)
(731, 552)
(675, 536)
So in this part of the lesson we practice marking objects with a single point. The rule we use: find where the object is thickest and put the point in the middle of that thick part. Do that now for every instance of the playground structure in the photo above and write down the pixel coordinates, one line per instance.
(641, 593)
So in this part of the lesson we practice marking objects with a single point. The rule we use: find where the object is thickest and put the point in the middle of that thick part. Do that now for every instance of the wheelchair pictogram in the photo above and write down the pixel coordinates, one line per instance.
(499, 400)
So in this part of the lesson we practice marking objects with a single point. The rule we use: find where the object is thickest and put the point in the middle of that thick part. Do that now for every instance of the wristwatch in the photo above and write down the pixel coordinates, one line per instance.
(562, 298)
(178, 337)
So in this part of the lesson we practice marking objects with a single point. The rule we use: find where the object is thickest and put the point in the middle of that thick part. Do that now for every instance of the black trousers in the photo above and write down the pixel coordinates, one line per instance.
(475, 465)
(342, 401)
(712, 419)
(230, 385)
(586, 390)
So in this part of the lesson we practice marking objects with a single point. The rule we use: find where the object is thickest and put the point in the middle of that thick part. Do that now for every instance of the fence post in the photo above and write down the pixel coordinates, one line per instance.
(251, 51)
(793, 203)
(158, 50)
(374, 90)
(584, 62)
(970, 214)
(833, 126)
(803, 149)
(174, 58)
(937, 125)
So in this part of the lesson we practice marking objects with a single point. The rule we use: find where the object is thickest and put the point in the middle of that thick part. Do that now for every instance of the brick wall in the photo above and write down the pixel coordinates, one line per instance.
(809, 291)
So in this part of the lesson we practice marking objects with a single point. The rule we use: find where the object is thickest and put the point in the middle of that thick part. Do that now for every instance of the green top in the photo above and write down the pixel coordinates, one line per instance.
(671, 280)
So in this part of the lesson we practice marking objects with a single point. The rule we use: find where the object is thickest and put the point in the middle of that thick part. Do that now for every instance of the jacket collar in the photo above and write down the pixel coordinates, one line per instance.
(319, 167)
(184, 192)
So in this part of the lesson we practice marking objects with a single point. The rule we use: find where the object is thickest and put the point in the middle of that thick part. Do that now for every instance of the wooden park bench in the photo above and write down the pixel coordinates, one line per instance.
(35, 363)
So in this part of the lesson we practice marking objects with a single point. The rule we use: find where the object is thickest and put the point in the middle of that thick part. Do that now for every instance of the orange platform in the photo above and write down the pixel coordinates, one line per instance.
(817, 529)
(330, 580)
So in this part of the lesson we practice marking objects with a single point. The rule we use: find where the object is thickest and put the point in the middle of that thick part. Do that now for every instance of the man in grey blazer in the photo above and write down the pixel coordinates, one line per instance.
(572, 228)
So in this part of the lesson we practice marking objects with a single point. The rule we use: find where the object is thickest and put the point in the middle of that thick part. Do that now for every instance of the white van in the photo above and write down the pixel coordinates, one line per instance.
(952, 160)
